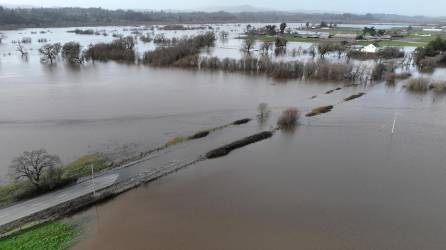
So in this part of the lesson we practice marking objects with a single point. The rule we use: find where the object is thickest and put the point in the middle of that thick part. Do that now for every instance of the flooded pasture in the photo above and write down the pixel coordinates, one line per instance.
(366, 173)
(339, 181)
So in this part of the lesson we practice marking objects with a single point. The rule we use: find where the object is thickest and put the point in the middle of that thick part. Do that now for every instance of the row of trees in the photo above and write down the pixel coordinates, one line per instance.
(186, 47)
(121, 49)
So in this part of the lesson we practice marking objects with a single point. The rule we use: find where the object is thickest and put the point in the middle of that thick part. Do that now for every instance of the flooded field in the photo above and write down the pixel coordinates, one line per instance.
(339, 181)
(365, 172)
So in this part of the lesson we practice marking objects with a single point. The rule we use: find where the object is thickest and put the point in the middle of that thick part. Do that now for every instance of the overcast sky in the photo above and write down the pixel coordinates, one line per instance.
(408, 7)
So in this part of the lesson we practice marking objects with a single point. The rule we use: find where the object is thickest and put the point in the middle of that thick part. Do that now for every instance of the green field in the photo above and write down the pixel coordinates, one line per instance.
(415, 39)
(48, 236)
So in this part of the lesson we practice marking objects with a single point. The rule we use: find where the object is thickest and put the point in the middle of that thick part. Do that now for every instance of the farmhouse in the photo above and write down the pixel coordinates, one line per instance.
(369, 49)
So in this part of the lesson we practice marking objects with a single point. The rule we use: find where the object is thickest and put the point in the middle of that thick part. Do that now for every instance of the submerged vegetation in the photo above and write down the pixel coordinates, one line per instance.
(118, 50)
(418, 84)
(355, 96)
(320, 110)
(432, 55)
(226, 149)
(183, 52)
(288, 118)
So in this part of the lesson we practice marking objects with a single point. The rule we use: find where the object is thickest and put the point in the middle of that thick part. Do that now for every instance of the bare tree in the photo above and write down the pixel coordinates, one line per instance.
(249, 43)
(224, 35)
(266, 46)
(50, 52)
(21, 48)
(263, 110)
(32, 165)
(2, 36)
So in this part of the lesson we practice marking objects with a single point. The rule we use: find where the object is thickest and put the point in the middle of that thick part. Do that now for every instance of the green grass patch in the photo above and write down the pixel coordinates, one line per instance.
(47, 236)
(81, 166)
(176, 140)
(8, 192)
(393, 43)
(290, 38)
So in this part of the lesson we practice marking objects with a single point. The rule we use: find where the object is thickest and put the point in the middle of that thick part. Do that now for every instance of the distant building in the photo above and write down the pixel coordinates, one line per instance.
(432, 29)
(369, 49)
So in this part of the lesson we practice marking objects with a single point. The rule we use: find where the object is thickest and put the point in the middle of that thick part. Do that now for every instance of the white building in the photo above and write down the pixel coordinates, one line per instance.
(369, 49)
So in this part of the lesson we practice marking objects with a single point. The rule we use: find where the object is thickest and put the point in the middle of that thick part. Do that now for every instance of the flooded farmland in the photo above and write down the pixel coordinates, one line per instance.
(366, 173)
(339, 181)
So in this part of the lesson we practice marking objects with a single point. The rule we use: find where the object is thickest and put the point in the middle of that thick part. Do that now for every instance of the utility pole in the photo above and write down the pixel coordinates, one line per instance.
(92, 179)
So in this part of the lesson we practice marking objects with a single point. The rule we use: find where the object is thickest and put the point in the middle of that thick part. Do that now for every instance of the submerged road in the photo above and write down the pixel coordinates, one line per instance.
(29, 207)
(157, 163)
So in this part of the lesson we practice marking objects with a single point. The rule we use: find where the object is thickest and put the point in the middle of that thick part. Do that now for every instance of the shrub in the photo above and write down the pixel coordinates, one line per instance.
(309, 70)
(418, 84)
(71, 52)
(390, 53)
(146, 38)
(288, 118)
(438, 87)
(320, 110)
(390, 78)
(82, 32)
(378, 71)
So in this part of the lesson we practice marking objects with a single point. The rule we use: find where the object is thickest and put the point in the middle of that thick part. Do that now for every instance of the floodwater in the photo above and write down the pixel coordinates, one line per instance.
(339, 181)
(113, 108)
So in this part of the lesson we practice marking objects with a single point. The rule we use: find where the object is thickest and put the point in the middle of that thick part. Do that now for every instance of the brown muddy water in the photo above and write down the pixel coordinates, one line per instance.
(341, 180)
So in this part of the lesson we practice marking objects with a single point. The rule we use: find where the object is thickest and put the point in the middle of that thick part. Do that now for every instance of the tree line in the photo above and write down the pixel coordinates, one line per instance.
(50, 17)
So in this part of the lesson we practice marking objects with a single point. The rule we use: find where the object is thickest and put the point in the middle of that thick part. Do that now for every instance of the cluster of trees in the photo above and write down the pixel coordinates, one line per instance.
(373, 32)
(384, 53)
(184, 51)
(330, 47)
(311, 70)
(121, 49)
(432, 55)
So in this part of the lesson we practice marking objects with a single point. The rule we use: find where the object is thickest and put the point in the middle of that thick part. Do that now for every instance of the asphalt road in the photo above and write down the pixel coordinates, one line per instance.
(29, 207)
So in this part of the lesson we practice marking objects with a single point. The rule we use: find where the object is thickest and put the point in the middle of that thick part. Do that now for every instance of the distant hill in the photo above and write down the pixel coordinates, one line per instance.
(233, 9)
(15, 6)
(50, 17)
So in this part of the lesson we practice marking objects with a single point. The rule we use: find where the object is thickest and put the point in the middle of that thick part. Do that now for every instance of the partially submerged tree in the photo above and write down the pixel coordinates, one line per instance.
(288, 118)
(2, 36)
(266, 46)
(282, 27)
(21, 48)
(33, 165)
(50, 52)
(223, 35)
(248, 43)
(280, 45)
(263, 110)
(71, 52)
